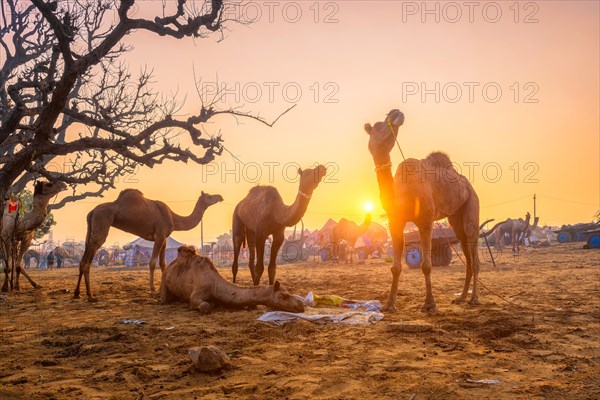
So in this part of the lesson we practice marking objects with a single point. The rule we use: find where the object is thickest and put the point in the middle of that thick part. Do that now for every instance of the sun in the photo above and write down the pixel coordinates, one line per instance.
(368, 206)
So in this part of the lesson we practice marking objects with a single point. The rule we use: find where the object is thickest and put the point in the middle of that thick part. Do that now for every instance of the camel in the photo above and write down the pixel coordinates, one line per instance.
(131, 212)
(195, 279)
(516, 228)
(17, 231)
(349, 231)
(262, 213)
(423, 191)
(530, 229)
(374, 238)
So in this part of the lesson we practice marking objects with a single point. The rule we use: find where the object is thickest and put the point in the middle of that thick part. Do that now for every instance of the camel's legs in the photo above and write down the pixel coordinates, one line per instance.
(24, 246)
(84, 269)
(197, 302)
(162, 258)
(277, 242)
(251, 238)
(472, 232)
(237, 245)
(425, 232)
(159, 243)
(5, 284)
(466, 228)
(456, 222)
(239, 234)
(7, 269)
(166, 297)
(260, 257)
(238, 231)
(96, 236)
(397, 233)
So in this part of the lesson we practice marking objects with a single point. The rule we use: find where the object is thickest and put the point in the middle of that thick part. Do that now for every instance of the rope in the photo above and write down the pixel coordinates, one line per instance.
(396, 138)
(479, 280)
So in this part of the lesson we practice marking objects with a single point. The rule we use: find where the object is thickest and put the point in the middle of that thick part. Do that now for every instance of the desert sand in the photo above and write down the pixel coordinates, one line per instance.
(535, 335)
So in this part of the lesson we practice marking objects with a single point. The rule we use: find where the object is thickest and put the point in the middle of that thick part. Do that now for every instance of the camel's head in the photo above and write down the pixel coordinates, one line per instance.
(383, 134)
(367, 221)
(310, 178)
(48, 189)
(186, 252)
(280, 299)
(210, 199)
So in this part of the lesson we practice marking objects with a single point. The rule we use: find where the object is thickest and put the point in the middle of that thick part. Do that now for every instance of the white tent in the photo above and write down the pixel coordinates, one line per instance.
(139, 251)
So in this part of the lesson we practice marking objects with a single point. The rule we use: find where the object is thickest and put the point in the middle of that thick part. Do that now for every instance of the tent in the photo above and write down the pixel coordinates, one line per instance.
(139, 251)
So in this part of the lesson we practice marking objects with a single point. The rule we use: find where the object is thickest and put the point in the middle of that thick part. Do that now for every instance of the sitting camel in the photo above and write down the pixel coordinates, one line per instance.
(262, 213)
(194, 279)
(423, 191)
(149, 219)
(17, 231)
(349, 231)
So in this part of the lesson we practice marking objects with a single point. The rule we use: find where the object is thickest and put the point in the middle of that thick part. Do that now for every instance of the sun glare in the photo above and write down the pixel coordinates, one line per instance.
(368, 206)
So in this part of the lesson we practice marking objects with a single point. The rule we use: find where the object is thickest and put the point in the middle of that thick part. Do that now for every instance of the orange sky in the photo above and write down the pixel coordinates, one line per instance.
(371, 57)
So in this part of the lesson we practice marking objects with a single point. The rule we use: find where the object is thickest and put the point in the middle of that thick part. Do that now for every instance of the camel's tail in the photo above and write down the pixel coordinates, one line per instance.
(238, 228)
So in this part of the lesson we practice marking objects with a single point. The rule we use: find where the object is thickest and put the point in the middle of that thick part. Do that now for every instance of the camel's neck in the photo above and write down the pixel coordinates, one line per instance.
(181, 223)
(34, 218)
(362, 228)
(385, 180)
(292, 214)
(526, 222)
(238, 296)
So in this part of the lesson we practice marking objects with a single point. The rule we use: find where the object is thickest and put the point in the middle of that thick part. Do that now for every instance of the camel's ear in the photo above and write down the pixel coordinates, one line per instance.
(202, 193)
(368, 128)
(187, 250)
(299, 171)
(276, 286)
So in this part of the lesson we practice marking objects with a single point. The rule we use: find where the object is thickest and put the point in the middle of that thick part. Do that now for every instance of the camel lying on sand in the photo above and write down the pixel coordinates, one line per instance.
(149, 219)
(194, 279)
(262, 213)
(423, 191)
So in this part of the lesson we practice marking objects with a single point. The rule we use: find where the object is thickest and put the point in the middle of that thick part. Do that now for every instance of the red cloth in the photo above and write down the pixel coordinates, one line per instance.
(12, 207)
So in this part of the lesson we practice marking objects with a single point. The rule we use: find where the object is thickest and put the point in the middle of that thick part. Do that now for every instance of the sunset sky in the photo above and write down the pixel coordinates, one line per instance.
(510, 91)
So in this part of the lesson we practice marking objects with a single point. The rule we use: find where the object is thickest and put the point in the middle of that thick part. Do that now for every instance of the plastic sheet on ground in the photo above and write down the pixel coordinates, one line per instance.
(280, 318)
(332, 300)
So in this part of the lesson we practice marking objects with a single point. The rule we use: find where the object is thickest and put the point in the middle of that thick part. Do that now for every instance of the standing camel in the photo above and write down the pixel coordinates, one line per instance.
(516, 228)
(423, 191)
(262, 213)
(374, 238)
(18, 230)
(349, 231)
(131, 212)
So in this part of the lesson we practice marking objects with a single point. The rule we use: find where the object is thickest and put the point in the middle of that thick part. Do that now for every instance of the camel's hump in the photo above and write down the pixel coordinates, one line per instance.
(130, 191)
(439, 158)
(265, 190)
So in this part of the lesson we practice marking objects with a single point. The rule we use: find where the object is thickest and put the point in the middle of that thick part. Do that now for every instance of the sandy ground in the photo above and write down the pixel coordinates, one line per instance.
(541, 340)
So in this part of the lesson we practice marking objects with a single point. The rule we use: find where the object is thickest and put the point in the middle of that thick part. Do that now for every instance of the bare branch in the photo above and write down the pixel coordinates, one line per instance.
(64, 71)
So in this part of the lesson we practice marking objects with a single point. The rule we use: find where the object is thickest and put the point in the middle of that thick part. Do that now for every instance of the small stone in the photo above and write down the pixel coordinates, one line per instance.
(208, 358)
(409, 327)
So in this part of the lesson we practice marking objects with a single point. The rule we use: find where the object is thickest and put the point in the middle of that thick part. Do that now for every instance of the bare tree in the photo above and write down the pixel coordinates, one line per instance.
(66, 95)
